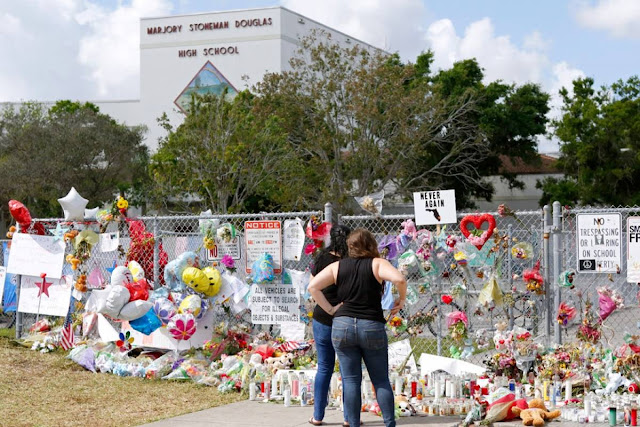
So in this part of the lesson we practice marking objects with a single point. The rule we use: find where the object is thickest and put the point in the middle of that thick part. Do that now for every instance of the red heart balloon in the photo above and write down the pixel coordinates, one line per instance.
(477, 221)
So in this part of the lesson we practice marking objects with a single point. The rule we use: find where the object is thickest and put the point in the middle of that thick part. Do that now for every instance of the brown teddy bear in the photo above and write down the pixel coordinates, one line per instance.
(536, 415)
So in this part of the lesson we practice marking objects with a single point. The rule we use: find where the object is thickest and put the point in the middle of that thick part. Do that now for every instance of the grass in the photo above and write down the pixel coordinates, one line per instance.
(49, 390)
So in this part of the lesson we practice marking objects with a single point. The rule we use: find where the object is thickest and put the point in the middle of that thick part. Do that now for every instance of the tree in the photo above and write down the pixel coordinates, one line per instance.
(224, 156)
(599, 132)
(44, 152)
(358, 125)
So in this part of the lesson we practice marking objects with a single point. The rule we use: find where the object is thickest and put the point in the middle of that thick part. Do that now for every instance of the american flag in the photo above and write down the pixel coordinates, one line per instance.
(67, 339)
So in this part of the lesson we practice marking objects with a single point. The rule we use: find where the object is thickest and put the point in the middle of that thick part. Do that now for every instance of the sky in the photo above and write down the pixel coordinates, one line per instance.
(88, 49)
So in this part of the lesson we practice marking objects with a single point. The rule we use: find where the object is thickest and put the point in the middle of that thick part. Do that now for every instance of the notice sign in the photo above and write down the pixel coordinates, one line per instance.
(599, 243)
(435, 207)
(633, 249)
(263, 237)
(293, 239)
(32, 255)
(274, 304)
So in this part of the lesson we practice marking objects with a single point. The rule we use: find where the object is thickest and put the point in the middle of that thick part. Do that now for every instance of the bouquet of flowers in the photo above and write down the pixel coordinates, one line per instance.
(398, 325)
(229, 263)
(457, 323)
(566, 313)
(589, 331)
(503, 364)
(227, 341)
(609, 300)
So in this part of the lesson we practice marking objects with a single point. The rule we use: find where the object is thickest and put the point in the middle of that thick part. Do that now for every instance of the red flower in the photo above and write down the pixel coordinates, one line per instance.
(447, 299)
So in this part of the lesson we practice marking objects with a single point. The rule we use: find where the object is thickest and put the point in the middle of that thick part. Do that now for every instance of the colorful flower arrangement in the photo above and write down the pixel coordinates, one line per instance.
(590, 329)
(228, 341)
(566, 313)
(503, 364)
(457, 323)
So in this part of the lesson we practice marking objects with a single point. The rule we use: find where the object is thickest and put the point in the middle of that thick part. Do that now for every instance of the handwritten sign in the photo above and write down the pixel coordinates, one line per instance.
(599, 243)
(435, 207)
(56, 303)
(274, 304)
(32, 255)
(263, 237)
(293, 239)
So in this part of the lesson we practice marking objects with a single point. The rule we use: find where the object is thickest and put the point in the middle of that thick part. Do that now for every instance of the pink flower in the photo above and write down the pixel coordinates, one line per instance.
(457, 316)
(228, 262)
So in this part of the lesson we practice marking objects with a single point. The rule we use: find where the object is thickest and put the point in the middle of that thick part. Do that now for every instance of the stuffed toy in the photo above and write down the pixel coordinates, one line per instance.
(536, 415)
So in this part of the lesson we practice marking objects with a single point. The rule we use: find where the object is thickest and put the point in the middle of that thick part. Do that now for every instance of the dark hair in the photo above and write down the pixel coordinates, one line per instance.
(362, 244)
(338, 244)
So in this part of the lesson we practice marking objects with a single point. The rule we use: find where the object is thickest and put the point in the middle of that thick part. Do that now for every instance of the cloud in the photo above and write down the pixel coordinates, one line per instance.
(620, 18)
(396, 28)
(9, 24)
(111, 49)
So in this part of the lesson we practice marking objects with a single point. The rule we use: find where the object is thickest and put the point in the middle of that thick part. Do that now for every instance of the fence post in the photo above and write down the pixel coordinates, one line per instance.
(510, 271)
(557, 265)
(156, 254)
(328, 212)
(546, 259)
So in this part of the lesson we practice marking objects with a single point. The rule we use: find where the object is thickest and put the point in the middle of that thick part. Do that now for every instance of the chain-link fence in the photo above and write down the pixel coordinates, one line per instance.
(461, 271)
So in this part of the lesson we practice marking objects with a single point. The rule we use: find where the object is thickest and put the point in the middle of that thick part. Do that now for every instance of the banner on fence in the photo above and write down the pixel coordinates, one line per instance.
(633, 249)
(435, 207)
(52, 299)
(274, 304)
(263, 237)
(32, 255)
(599, 243)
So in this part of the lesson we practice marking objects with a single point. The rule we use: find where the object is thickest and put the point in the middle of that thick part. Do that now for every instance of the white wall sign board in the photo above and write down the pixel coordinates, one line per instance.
(599, 243)
(32, 255)
(435, 207)
(223, 248)
(161, 338)
(274, 304)
(633, 249)
(293, 239)
(3, 274)
(55, 304)
(261, 237)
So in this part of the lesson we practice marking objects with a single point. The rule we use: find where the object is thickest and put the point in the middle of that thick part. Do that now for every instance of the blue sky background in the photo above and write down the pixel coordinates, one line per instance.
(89, 49)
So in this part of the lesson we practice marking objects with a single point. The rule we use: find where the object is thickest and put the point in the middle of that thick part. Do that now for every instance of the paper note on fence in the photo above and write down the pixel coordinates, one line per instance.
(32, 255)
(109, 241)
(293, 239)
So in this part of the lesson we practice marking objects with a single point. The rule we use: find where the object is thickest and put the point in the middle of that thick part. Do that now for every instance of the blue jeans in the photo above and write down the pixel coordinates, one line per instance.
(355, 340)
(326, 365)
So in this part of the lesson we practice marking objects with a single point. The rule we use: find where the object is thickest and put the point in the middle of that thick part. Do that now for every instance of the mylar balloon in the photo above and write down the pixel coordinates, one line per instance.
(147, 323)
(185, 260)
(73, 205)
(117, 298)
(120, 276)
(262, 269)
(90, 214)
(164, 309)
(192, 304)
(195, 279)
(138, 291)
(20, 213)
(135, 309)
(136, 270)
(170, 277)
(215, 281)
(182, 326)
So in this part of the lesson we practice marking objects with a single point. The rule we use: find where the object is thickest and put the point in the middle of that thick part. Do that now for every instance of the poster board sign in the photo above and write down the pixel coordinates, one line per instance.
(222, 248)
(399, 351)
(263, 237)
(274, 304)
(293, 239)
(3, 275)
(633, 249)
(599, 243)
(161, 338)
(55, 304)
(109, 242)
(435, 207)
(32, 255)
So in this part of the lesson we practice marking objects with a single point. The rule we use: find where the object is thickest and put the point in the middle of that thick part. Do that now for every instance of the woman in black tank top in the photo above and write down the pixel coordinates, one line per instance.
(358, 331)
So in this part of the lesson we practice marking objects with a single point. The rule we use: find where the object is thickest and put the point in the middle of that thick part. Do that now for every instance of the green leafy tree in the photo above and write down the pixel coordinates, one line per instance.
(599, 131)
(226, 156)
(44, 152)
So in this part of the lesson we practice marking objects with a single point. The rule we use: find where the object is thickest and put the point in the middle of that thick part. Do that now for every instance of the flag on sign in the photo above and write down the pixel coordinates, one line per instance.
(67, 340)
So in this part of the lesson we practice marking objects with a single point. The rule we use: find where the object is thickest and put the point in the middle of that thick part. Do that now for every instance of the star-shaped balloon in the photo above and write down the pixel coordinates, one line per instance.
(73, 205)
(58, 233)
(43, 287)
(90, 214)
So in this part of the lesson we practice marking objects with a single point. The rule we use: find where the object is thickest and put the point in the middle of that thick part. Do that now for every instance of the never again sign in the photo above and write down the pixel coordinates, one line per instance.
(435, 207)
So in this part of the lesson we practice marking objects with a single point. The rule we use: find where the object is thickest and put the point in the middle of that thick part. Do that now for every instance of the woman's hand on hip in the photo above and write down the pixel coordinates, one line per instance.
(397, 306)
(334, 309)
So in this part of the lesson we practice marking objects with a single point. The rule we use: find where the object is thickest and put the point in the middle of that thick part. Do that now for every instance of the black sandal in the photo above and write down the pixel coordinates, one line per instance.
(315, 422)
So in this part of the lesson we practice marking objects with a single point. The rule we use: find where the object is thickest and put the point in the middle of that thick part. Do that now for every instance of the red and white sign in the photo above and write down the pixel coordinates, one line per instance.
(263, 237)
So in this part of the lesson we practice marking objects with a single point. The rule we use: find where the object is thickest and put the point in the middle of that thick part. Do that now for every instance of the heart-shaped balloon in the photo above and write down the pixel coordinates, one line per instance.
(477, 221)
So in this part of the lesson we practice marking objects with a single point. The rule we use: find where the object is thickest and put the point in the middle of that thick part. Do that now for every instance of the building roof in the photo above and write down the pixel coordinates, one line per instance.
(517, 166)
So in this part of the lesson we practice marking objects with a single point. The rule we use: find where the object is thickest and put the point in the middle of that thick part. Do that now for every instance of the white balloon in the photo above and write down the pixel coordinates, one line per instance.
(135, 309)
(90, 214)
(73, 205)
(120, 276)
(116, 300)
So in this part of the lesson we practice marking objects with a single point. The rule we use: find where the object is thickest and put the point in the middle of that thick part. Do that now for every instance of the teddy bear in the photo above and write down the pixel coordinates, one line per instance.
(282, 362)
(536, 415)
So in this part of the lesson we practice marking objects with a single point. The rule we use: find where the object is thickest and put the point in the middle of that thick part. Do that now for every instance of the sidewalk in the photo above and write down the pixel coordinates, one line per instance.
(252, 414)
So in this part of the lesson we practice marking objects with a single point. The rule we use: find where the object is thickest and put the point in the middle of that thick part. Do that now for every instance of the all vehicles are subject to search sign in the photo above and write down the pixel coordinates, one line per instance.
(599, 243)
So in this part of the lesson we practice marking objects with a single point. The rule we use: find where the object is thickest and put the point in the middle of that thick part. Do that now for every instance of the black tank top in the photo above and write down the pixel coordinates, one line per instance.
(359, 289)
